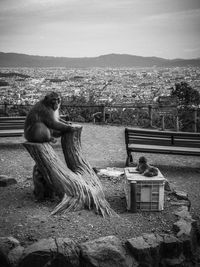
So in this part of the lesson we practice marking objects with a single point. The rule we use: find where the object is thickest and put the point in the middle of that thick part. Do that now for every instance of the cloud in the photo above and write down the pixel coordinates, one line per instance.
(140, 26)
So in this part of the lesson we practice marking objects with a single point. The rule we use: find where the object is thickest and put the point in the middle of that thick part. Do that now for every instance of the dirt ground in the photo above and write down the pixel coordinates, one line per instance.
(28, 220)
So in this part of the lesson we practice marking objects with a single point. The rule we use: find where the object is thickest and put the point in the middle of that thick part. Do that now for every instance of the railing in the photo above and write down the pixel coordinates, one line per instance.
(141, 115)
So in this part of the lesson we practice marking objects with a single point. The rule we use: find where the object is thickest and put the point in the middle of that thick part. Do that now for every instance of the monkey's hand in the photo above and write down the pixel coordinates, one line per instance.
(75, 127)
(65, 122)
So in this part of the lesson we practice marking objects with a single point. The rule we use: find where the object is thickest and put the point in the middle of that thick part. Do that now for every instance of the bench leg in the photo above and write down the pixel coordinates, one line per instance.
(129, 159)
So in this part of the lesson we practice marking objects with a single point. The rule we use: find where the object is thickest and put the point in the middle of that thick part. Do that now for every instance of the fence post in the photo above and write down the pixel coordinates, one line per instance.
(195, 119)
(103, 114)
(150, 115)
(162, 122)
(5, 108)
(177, 123)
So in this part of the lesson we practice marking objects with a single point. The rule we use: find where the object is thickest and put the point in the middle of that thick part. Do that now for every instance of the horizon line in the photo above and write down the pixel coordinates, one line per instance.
(122, 54)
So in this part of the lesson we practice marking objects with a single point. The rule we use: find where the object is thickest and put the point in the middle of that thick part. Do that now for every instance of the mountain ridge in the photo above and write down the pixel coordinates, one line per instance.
(108, 60)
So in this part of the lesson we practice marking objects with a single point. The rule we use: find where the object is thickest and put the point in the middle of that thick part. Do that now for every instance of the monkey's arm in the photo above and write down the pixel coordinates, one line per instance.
(54, 123)
(66, 122)
(60, 126)
(137, 168)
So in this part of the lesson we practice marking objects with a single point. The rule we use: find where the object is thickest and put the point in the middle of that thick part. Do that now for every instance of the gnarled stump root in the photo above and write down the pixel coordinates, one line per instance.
(75, 181)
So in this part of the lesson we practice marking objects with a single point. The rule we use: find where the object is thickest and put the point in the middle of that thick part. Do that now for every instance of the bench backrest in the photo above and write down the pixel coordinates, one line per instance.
(7, 123)
(164, 138)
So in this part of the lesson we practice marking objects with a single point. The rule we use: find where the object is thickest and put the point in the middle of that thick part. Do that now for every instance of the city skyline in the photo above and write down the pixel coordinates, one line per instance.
(90, 28)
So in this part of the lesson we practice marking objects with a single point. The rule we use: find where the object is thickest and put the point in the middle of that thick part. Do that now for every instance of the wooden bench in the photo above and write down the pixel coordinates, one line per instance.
(11, 126)
(163, 142)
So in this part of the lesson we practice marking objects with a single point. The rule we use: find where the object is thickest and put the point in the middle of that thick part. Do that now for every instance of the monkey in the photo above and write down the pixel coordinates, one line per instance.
(43, 123)
(145, 169)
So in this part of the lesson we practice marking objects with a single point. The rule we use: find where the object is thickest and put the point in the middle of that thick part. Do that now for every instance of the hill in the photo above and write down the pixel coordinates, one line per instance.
(110, 60)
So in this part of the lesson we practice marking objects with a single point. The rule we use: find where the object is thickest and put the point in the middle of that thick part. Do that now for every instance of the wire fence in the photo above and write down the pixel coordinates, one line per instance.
(140, 115)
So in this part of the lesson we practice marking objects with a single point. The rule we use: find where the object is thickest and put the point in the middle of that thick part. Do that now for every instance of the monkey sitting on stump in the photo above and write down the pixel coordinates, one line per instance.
(43, 122)
(145, 169)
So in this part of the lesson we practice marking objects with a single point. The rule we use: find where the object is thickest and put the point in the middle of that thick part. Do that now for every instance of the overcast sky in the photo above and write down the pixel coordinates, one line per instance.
(87, 28)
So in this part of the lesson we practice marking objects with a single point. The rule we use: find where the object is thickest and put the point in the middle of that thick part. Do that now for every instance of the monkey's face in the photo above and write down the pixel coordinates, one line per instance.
(55, 103)
(142, 160)
(52, 100)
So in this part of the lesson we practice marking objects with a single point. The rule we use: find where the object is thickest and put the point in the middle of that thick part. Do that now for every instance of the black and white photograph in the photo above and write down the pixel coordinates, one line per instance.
(99, 133)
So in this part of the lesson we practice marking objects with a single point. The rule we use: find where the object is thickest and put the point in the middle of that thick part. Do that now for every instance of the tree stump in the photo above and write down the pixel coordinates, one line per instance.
(75, 181)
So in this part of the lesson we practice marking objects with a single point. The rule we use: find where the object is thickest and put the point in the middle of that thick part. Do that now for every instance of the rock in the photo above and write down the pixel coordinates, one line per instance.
(55, 252)
(168, 186)
(177, 262)
(198, 232)
(4, 262)
(181, 195)
(15, 254)
(186, 230)
(151, 249)
(181, 203)
(182, 227)
(6, 181)
(8, 243)
(69, 249)
(146, 249)
(171, 247)
(183, 213)
(105, 251)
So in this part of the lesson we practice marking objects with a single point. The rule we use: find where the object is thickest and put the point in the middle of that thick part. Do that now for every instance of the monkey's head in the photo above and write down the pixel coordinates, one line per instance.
(52, 100)
(142, 160)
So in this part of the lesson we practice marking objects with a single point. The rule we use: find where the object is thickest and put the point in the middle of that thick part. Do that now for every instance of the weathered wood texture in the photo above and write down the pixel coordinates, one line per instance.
(75, 181)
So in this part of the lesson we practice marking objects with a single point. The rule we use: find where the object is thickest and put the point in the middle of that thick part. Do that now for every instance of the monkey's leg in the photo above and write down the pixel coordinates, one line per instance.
(39, 133)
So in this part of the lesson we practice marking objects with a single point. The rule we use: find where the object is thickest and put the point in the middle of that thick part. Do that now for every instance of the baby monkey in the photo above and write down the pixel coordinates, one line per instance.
(145, 169)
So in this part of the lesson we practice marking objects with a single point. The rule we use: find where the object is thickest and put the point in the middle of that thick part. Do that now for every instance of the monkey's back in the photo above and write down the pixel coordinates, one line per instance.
(33, 115)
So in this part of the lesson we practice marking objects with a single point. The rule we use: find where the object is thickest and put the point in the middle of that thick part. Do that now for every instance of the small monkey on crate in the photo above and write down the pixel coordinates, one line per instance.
(145, 169)
(43, 122)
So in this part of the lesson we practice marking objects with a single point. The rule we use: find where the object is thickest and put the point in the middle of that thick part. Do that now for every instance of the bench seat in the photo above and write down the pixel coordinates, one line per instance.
(11, 126)
(11, 132)
(177, 150)
(163, 142)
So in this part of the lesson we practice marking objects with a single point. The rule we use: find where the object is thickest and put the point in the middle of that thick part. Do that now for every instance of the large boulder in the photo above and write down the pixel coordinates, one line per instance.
(171, 247)
(146, 249)
(103, 252)
(151, 249)
(60, 252)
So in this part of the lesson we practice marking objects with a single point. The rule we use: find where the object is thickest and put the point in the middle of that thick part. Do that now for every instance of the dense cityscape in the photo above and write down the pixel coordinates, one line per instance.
(24, 86)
